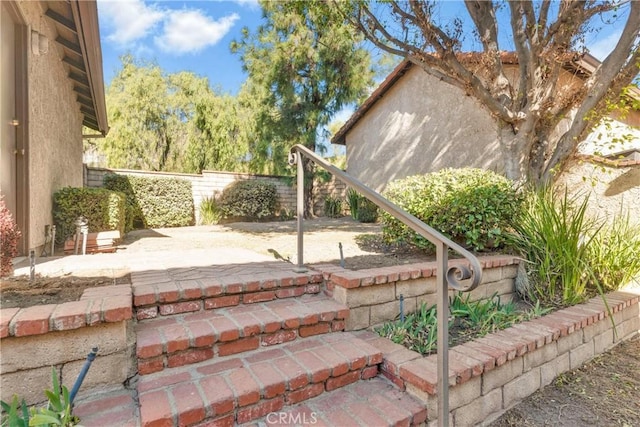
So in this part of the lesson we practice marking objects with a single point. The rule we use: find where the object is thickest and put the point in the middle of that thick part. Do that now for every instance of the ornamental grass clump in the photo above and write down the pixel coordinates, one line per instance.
(569, 255)
(473, 207)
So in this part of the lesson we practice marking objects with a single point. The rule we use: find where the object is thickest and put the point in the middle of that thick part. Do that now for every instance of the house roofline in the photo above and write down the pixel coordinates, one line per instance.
(85, 14)
(585, 63)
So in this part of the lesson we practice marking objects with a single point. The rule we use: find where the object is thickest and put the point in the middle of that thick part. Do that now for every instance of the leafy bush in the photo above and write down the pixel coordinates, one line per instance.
(333, 207)
(473, 207)
(210, 212)
(367, 211)
(104, 209)
(570, 256)
(9, 235)
(154, 202)
(361, 208)
(251, 199)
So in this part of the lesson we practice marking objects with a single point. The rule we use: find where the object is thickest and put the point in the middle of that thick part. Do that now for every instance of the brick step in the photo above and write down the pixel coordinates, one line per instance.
(193, 337)
(241, 388)
(182, 290)
(375, 402)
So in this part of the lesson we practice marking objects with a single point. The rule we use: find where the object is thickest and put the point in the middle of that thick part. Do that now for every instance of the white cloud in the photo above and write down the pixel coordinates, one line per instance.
(603, 47)
(130, 20)
(251, 4)
(189, 31)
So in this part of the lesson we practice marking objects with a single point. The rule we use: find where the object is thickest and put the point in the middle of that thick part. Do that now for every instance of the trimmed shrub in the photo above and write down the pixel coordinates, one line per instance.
(252, 199)
(367, 210)
(154, 202)
(104, 209)
(473, 207)
(9, 235)
(210, 212)
(333, 207)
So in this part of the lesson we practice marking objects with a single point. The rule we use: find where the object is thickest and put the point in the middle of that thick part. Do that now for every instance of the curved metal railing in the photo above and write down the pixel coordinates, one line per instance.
(457, 276)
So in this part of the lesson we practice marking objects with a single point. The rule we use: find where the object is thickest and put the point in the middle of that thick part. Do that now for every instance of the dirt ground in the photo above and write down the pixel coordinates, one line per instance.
(603, 392)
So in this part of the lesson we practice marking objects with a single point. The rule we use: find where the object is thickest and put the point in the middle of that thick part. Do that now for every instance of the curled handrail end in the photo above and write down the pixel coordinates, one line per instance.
(457, 273)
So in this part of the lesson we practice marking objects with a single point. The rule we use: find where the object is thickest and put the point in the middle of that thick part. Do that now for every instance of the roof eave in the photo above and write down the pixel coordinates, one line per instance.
(85, 14)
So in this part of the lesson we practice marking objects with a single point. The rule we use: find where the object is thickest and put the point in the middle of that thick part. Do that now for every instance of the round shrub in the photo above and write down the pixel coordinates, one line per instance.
(473, 207)
(252, 199)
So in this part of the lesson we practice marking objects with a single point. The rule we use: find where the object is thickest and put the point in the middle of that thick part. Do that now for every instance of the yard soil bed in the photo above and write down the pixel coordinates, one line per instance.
(602, 392)
(21, 292)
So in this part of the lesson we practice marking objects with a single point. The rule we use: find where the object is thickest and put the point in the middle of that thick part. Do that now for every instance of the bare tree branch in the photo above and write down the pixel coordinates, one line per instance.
(598, 84)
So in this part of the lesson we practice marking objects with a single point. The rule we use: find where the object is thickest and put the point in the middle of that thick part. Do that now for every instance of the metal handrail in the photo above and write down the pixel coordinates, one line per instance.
(447, 276)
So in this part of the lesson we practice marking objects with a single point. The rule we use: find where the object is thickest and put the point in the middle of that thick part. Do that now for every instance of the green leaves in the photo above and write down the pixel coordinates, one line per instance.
(104, 209)
(473, 207)
(154, 202)
(252, 199)
(56, 413)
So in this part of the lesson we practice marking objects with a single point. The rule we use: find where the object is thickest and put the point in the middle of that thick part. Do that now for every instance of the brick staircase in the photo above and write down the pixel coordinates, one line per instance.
(253, 344)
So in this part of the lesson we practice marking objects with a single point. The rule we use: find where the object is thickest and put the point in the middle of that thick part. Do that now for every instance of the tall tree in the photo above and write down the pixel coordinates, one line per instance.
(531, 109)
(147, 117)
(304, 64)
(171, 122)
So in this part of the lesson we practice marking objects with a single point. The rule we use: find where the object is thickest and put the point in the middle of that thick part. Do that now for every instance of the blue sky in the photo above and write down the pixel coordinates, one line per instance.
(178, 35)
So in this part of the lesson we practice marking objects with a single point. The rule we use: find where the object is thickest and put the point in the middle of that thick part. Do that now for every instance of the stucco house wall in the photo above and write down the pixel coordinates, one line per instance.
(55, 53)
(613, 186)
(55, 126)
(414, 123)
(421, 126)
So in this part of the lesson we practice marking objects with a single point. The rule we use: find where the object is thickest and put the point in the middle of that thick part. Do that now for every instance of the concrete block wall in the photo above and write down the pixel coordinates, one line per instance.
(209, 183)
(373, 295)
(37, 338)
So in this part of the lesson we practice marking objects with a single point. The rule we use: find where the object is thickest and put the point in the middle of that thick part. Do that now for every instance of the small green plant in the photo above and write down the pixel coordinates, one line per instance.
(418, 331)
(251, 199)
(469, 319)
(210, 212)
(333, 207)
(353, 201)
(473, 207)
(15, 414)
(56, 413)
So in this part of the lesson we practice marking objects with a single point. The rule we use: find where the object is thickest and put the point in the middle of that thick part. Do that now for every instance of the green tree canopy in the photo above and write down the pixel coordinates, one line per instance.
(171, 122)
(304, 64)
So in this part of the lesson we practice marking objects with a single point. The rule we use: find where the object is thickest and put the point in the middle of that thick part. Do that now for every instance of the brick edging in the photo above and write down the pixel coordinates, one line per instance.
(105, 304)
(375, 276)
(476, 357)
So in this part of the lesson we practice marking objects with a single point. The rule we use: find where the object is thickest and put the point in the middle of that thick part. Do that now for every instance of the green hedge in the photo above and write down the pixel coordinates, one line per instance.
(104, 209)
(251, 199)
(473, 207)
(154, 202)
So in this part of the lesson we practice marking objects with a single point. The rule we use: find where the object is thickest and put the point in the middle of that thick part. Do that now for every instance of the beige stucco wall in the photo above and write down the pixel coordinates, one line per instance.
(55, 127)
(413, 131)
(611, 190)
